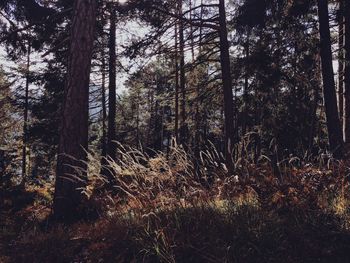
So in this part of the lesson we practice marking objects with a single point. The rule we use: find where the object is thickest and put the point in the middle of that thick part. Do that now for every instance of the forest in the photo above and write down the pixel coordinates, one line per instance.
(175, 131)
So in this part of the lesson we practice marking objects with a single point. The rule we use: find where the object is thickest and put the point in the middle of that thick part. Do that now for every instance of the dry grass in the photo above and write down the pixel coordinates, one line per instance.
(164, 213)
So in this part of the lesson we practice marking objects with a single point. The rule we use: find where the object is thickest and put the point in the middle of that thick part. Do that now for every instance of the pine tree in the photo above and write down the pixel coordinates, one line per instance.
(329, 90)
(71, 166)
(227, 88)
(347, 74)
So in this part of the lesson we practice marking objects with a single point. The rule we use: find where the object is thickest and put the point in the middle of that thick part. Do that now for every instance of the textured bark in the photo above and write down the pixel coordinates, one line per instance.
(329, 90)
(71, 165)
(227, 88)
(347, 75)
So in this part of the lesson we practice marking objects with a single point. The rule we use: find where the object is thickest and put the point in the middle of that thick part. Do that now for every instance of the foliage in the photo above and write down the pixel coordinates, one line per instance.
(9, 133)
(163, 214)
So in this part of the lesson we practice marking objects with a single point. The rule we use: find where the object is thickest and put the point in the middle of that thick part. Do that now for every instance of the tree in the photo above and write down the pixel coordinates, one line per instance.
(104, 107)
(341, 41)
(71, 164)
(9, 127)
(333, 123)
(227, 87)
(176, 128)
(183, 128)
(111, 148)
(25, 119)
(347, 75)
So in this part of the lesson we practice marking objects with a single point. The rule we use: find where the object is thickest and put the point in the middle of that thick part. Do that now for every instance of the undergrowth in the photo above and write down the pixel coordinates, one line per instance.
(163, 209)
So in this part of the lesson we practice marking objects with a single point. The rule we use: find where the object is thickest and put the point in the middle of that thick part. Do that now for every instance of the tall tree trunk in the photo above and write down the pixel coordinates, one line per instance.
(112, 101)
(25, 121)
(347, 75)
(104, 108)
(112, 146)
(151, 96)
(183, 128)
(201, 83)
(176, 84)
(246, 85)
(191, 30)
(104, 162)
(227, 86)
(138, 141)
(71, 164)
(341, 40)
(157, 134)
(197, 116)
(329, 90)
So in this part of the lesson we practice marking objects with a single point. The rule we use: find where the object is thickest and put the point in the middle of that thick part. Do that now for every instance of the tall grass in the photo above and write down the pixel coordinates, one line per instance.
(163, 210)
(169, 181)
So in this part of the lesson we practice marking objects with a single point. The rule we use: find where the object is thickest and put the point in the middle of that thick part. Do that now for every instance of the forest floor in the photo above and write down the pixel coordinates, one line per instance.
(6, 235)
(303, 216)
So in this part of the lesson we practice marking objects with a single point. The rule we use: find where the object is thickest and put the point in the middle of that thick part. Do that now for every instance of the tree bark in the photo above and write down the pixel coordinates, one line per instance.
(347, 75)
(71, 174)
(227, 88)
(329, 91)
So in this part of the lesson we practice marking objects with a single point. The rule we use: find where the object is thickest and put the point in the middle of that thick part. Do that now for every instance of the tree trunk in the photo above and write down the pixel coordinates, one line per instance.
(176, 84)
(183, 128)
(112, 101)
(203, 112)
(138, 140)
(157, 134)
(25, 121)
(191, 30)
(329, 90)
(197, 120)
(71, 164)
(104, 108)
(227, 86)
(112, 146)
(246, 85)
(341, 41)
(347, 75)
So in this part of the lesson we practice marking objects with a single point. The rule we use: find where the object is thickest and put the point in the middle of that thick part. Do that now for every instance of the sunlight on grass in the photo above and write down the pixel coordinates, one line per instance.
(162, 213)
